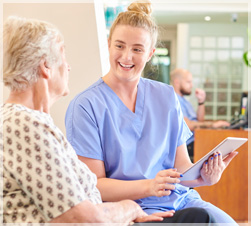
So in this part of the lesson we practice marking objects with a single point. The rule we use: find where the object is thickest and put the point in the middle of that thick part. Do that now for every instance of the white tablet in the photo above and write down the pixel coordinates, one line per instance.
(225, 147)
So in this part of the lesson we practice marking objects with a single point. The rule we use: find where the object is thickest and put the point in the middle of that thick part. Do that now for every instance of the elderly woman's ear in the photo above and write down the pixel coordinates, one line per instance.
(45, 71)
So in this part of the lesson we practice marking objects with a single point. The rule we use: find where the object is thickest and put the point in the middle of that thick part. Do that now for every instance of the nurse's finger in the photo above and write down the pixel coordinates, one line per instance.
(172, 180)
(210, 163)
(170, 173)
(215, 160)
(164, 180)
(219, 158)
(163, 193)
(205, 166)
(166, 187)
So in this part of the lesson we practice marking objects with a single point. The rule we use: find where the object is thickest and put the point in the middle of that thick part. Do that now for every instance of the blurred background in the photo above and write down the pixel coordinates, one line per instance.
(208, 39)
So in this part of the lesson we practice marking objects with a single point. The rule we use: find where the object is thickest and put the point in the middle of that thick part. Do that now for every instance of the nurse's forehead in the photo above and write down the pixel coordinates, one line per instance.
(129, 33)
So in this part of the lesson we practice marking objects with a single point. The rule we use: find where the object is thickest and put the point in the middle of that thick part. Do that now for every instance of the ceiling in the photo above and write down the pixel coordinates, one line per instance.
(194, 11)
(173, 13)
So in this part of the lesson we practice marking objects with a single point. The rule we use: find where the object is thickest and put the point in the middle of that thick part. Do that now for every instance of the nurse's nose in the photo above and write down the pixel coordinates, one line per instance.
(127, 54)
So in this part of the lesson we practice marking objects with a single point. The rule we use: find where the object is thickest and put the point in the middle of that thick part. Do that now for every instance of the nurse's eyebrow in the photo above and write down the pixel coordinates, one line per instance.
(125, 43)
(120, 41)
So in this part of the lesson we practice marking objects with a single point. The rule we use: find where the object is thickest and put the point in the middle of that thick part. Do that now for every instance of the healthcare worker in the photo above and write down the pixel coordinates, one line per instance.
(130, 130)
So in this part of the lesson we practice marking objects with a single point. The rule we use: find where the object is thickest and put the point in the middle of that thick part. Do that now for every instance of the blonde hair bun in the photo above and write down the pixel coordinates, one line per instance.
(141, 7)
(138, 14)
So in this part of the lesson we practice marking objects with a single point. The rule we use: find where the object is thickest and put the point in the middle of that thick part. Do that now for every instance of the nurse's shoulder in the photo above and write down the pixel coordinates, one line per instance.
(159, 88)
(86, 101)
(88, 96)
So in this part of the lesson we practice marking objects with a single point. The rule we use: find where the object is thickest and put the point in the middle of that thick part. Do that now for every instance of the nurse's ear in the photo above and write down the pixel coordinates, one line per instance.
(151, 54)
(109, 42)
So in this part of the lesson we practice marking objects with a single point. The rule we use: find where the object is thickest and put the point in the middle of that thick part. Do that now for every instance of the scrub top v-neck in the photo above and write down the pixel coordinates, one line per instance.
(135, 117)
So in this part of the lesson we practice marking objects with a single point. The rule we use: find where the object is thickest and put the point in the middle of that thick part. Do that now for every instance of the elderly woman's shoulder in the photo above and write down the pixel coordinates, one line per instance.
(22, 124)
(18, 115)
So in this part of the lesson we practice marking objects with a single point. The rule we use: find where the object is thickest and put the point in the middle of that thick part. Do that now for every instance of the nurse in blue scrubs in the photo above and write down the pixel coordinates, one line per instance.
(130, 130)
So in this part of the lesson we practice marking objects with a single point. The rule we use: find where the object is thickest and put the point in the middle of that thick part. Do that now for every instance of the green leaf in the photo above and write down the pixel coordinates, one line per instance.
(247, 58)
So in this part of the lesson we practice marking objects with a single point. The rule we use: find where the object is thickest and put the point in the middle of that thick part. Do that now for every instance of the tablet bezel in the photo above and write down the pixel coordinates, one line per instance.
(225, 147)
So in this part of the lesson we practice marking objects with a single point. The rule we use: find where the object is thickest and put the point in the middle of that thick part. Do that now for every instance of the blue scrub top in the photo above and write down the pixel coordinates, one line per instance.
(133, 146)
(188, 112)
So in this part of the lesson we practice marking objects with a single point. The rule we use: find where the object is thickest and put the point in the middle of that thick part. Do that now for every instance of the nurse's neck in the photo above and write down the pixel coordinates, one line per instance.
(125, 90)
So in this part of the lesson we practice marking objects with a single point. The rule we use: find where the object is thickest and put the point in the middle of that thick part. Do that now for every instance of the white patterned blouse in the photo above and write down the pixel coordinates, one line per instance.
(42, 176)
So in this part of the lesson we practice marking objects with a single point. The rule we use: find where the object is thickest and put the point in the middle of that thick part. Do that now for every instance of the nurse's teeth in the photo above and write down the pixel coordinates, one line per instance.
(126, 66)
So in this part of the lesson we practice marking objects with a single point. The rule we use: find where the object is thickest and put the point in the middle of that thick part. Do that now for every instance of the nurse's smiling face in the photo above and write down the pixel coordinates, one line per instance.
(130, 49)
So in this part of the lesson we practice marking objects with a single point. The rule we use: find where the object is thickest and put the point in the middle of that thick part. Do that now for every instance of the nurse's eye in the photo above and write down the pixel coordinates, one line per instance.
(119, 46)
(138, 50)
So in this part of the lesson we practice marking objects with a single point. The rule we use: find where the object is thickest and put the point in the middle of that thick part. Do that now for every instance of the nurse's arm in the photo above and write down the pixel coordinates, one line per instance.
(182, 160)
(113, 190)
(182, 163)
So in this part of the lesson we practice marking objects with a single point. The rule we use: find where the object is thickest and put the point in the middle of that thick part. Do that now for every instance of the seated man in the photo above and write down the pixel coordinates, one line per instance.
(182, 82)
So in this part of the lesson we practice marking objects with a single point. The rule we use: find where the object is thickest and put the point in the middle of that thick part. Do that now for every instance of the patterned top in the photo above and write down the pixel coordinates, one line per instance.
(42, 176)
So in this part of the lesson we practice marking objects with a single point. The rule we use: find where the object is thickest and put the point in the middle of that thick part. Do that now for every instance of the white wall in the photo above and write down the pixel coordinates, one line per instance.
(102, 36)
(182, 44)
(77, 22)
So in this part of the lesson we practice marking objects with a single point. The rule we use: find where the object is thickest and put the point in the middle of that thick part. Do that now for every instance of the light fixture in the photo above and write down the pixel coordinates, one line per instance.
(207, 18)
(234, 17)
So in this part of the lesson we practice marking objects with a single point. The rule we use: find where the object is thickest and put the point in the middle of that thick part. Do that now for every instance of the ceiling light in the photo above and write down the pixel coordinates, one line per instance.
(234, 17)
(207, 18)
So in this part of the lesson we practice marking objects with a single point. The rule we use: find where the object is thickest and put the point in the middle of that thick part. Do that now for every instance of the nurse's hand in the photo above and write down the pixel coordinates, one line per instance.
(163, 182)
(213, 168)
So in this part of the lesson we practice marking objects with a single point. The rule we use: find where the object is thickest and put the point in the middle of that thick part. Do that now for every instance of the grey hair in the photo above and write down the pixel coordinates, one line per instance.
(25, 43)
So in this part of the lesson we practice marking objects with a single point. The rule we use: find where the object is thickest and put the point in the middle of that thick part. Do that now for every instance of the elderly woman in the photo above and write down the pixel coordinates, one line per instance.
(43, 180)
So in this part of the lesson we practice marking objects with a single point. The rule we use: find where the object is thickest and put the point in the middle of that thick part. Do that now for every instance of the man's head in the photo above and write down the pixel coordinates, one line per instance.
(182, 81)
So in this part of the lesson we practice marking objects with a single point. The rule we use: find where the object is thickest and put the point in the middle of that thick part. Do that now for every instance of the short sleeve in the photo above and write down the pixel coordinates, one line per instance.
(184, 132)
(36, 158)
(82, 129)
(182, 106)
